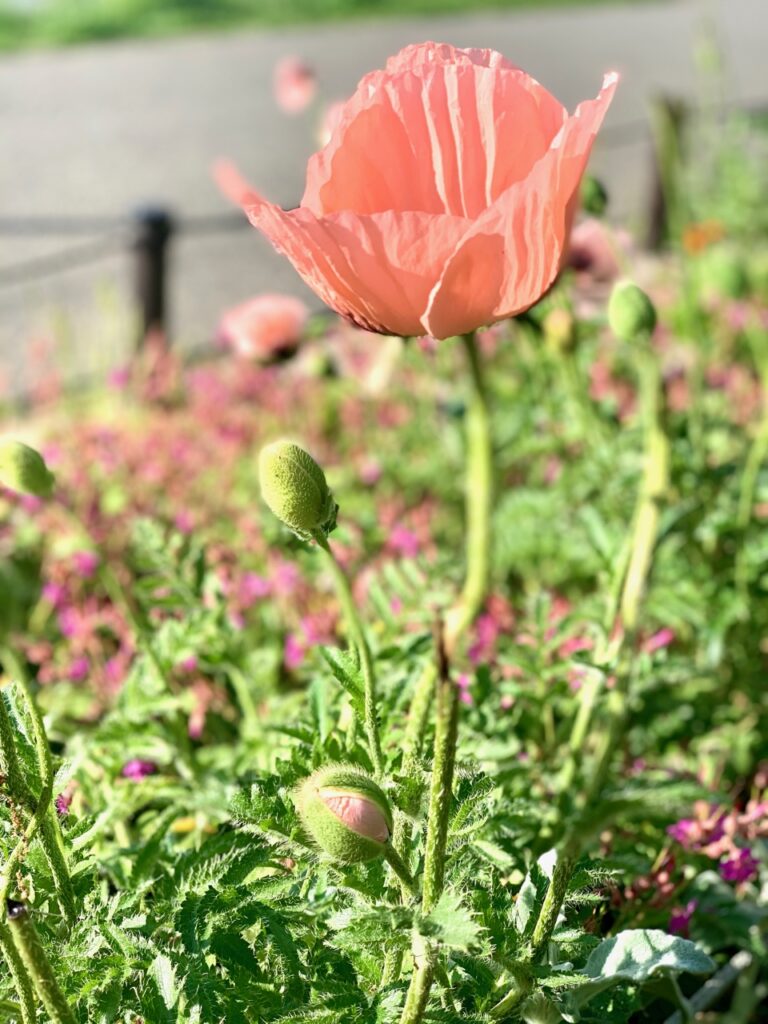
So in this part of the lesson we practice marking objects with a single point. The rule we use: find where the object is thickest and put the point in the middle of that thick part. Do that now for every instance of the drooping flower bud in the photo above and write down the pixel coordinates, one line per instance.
(346, 813)
(631, 314)
(295, 489)
(24, 470)
(594, 198)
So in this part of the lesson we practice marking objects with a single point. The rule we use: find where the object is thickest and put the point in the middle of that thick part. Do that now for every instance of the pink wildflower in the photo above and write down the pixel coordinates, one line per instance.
(294, 84)
(680, 918)
(138, 769)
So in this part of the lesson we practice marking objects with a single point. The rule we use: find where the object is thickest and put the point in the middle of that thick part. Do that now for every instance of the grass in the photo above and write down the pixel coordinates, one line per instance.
(26, 23)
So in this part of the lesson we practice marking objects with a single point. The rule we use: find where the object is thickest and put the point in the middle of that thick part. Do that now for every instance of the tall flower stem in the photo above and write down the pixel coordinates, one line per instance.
(37, 964)
(441, 789)
(18, 972)
(479, 498)
(645, 529)
(41, 812)
(652, 494)
(360, 641)
(478, 503)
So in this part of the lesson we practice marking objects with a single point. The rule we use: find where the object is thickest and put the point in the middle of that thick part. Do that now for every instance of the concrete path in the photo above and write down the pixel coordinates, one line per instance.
(98, 130)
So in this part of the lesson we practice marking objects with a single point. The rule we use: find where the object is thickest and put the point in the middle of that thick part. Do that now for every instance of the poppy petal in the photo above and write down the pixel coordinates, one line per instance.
(524, 231)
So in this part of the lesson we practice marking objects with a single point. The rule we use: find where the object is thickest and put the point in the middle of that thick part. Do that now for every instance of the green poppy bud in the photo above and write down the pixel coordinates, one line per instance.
(631, 314)
(594, 198)
(346, 813)
(294, 488)
(24, 470)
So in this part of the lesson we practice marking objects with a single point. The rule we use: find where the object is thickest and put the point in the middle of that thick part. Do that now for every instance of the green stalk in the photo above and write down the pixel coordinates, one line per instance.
(553, 901)
(653, 491)
(441, 789)
(397, 864)
(479, 499)
(21, 980)
(41, 811)
(360, 640)
(756, 457)
(37, 964)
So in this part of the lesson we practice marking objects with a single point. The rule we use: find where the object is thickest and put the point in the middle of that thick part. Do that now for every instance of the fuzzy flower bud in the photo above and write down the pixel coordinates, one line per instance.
(631, 313)
(346, 813)
(294, 488)
(23, 469)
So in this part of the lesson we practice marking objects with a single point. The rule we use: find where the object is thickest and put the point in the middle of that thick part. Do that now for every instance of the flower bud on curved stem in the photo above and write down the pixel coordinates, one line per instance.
(349, 817)
(295, 489)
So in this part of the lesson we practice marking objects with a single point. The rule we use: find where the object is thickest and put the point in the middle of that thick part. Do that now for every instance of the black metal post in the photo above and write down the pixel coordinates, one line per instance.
(154, 229)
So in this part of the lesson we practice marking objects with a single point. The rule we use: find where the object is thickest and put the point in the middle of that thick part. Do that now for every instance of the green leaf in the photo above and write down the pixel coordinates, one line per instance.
(164, 973)
(637, 955)
(346, 671)
(450, 923)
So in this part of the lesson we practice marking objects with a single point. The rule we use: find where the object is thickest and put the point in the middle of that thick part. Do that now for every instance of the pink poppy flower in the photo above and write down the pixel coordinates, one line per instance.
(265, 327)
(294, 84)
(444, 199)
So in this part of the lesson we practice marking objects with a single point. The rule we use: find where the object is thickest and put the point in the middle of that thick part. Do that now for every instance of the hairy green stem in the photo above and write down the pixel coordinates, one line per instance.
(441, 789)
(18, 972)
(42, 812)
(360, 641)
(479, 499)
(37, 964)
(553, 902)
(398, 865)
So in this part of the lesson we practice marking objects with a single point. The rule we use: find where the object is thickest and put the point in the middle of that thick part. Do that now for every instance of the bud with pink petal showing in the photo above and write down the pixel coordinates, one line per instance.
(346, 813)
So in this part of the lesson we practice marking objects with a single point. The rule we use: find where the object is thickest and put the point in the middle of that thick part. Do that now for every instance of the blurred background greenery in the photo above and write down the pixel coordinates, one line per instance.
(26, 23)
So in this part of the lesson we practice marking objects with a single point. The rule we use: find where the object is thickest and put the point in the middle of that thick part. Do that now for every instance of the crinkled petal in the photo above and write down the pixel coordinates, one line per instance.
(513, 251)
(418, 54)
(375, 270)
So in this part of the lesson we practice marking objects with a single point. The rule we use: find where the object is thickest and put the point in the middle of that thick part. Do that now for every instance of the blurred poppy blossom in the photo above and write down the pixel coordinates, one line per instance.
(444, 198)
(294, 84)
(265, 327)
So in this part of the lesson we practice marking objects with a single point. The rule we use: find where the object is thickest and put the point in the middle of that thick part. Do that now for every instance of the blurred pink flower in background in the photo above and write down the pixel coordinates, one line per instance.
(680, 918)
(138, 769)
(294, 84)
(740, 866)
(265, 327)
(663, 638)
(592, 251)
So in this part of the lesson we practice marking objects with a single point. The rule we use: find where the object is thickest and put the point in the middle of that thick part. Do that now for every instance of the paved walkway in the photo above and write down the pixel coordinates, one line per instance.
(99, 130)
